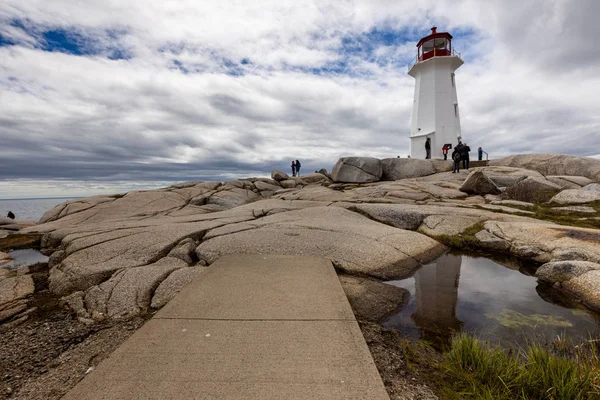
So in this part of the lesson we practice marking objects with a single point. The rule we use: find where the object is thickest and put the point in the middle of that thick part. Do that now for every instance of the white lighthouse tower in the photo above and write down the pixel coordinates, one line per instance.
(435, 114)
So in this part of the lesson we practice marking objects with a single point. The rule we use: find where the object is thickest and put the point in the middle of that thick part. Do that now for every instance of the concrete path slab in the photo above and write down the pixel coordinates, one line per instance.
(252, 327)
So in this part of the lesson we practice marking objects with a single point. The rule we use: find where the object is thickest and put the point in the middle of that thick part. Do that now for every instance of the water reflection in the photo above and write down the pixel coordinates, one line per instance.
(480, 296)
(436, 294)
(24, 258)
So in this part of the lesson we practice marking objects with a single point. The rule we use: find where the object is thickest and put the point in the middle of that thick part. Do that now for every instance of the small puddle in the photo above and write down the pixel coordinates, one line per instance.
(501, 304)
(24, 258)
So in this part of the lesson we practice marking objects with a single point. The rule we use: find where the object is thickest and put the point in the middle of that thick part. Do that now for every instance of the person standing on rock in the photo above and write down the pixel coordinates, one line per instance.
(298, 165)
(293, 168)
(456, 159)
(445, 151)
(464, 155)
(480, 153)
(428, 148)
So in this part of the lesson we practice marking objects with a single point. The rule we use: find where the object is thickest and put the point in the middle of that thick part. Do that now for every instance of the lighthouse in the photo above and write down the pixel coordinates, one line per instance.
(435, 114)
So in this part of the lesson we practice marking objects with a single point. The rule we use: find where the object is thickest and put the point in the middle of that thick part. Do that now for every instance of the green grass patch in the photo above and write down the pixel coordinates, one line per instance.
(478, 370)
(463, 241)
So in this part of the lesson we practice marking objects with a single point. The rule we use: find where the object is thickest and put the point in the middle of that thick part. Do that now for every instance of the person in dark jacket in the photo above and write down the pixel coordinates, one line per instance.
(456, 159)
(464, 155)
(480, 153)
(298, 165)
(428, 148)
(10, 215)
(293, 168)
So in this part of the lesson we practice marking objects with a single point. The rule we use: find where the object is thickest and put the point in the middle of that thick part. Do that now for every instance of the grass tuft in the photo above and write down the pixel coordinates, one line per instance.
(481, 371)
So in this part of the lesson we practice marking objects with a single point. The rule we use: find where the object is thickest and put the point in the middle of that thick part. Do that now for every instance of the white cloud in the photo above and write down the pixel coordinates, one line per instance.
(529, 84)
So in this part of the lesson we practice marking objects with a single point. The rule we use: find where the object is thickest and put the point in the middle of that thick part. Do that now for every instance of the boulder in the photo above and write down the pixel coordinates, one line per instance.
(373, 300)
(266, 186)
(569, 182)
(532, 190)
(393, 215)
(288, 183)
(16, 288)
(594, 187)
(279, 175)
(402, 168)
(478, 183)
(232, 198)
(316, 177)
(545, 242)
(576, 196)
(508, 176)
(554, 164)
(357, 170)
(587, 288)
(562, 271)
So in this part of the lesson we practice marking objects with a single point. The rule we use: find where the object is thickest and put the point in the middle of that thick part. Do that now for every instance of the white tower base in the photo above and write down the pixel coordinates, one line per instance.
(435, 112)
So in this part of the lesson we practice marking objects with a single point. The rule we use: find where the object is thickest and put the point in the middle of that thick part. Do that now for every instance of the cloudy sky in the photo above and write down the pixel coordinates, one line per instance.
(103, 96)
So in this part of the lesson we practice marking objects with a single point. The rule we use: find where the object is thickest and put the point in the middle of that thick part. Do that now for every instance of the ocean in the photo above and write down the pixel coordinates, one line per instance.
(29, 208)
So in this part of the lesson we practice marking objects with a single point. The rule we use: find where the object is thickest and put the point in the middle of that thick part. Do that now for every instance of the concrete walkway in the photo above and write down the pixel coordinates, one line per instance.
(251, 327)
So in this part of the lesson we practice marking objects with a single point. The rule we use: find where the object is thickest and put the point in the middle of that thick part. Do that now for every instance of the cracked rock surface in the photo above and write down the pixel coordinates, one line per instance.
(125, 255)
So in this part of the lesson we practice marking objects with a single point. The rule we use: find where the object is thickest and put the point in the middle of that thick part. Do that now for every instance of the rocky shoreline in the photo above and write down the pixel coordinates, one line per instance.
(116, 259)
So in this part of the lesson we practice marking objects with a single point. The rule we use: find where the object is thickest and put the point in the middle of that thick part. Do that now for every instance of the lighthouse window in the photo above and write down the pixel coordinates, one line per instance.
(428, 46)
(441, 43)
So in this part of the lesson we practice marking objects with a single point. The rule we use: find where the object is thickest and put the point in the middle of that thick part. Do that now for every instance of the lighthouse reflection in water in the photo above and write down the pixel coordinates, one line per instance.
(500, 303)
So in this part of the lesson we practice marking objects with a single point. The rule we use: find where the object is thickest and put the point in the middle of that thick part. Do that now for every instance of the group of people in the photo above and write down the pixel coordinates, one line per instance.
(460, 153)
(296, 168)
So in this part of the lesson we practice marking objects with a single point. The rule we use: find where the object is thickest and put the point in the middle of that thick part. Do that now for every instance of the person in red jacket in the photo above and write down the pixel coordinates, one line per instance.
(445, 151)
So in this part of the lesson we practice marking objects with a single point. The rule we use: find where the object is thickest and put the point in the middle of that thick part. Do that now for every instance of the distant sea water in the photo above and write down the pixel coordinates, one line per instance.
(29, 208)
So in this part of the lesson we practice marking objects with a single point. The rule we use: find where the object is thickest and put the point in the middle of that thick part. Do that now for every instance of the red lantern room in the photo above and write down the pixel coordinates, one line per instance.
(436, 44)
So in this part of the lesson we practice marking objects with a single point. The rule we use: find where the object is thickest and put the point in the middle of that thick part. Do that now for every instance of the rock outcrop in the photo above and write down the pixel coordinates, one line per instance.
(554, 164)
(575, 196)
(478, 183)
(357, 170)
(124, 255)
(532, 190)
(404, 168)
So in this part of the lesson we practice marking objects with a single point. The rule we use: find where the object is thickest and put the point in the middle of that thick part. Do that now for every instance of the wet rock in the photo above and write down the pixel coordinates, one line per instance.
(576, 196)
(279, 175)
(357, 170)
(532, 190)
(172, 285)
(403, 168)
(478, 183)
(562, 271)
(372, 300)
